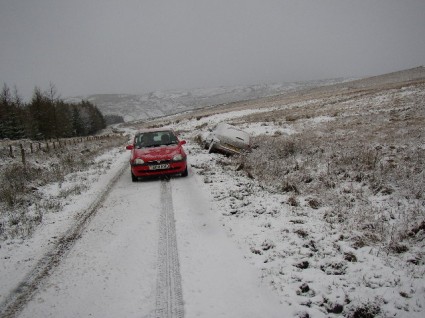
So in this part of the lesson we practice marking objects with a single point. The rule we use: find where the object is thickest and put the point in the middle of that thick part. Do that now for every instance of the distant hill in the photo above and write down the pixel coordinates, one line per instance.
(160, 103)
(412, 74)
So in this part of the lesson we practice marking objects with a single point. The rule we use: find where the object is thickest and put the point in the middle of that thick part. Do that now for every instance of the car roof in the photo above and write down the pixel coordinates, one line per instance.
(154, 130)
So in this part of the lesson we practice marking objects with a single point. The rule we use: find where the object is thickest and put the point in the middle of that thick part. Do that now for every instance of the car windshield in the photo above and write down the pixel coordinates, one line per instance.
(155, 139)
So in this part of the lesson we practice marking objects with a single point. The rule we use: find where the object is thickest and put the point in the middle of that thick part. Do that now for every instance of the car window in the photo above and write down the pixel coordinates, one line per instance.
(155, 139)
(167, 138)
(144, 140)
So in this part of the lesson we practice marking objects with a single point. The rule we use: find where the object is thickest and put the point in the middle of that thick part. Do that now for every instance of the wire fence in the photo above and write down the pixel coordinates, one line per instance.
(22, 149)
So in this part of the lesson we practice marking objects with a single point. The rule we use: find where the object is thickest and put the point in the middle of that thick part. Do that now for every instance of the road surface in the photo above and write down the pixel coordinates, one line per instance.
(152, 249)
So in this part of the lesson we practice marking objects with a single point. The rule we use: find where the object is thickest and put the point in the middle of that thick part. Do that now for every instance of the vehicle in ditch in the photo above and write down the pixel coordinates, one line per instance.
(227, 139)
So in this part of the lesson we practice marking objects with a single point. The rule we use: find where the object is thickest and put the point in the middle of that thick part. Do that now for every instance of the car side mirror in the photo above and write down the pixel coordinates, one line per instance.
(129, 147)
(182, 142)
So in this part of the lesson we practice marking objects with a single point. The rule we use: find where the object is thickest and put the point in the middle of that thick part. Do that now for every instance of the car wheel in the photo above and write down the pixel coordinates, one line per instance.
(185, 173)
(134, 178)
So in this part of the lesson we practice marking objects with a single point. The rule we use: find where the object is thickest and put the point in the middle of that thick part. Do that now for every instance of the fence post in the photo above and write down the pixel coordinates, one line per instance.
(32, 150)
(11, 151)
(23, 155)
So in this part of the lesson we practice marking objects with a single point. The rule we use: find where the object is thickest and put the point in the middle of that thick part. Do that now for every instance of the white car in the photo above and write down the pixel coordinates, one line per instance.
(227, 139)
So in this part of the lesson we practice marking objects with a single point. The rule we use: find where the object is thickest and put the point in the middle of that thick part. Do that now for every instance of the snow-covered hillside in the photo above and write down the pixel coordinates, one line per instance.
(161, 103)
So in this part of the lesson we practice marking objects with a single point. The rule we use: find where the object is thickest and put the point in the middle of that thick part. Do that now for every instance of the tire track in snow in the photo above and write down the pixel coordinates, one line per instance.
(169, 296)
(22, 294)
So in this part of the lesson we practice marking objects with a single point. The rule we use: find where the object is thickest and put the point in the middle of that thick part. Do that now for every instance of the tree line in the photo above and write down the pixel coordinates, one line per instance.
(46, 116)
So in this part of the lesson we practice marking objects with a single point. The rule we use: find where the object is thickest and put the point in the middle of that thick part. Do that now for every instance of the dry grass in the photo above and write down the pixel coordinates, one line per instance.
(365, 166)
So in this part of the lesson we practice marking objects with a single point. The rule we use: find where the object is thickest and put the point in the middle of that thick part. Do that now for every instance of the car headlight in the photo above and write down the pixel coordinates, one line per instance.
(178, 157)
(138, 161)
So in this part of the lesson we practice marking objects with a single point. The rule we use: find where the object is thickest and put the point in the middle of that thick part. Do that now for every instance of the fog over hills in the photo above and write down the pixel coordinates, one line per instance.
(160, 103)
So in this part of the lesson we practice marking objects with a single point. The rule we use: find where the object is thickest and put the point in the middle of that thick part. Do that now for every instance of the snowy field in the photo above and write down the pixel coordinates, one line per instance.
(324, 218)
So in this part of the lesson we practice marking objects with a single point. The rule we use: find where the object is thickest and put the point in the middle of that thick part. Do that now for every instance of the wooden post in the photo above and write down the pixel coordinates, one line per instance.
(11, 151)
(32, 150)
(23, 155)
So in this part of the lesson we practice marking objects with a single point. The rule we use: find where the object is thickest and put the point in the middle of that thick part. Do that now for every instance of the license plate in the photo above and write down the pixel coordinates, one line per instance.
(159, 167)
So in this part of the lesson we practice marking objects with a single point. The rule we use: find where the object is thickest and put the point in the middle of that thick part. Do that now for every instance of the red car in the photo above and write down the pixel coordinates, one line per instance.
(156, 152)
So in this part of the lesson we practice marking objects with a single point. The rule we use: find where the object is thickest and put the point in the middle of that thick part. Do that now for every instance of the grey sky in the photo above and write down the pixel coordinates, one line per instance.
(136, 46)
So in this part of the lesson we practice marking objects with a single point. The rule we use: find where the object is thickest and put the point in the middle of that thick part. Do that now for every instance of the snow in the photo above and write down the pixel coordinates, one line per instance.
(241, 247)
(217, 282)
(111, 270)
(20, 256)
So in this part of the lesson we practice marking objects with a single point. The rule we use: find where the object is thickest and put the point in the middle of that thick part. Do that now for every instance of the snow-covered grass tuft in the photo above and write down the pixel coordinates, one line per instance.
(370, 191)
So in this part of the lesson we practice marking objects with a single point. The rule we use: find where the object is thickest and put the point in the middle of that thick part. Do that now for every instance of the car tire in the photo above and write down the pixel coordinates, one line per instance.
(134, 178)
(185, 173)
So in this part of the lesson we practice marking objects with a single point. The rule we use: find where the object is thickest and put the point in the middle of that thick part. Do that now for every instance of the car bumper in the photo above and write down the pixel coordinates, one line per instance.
(146, 170)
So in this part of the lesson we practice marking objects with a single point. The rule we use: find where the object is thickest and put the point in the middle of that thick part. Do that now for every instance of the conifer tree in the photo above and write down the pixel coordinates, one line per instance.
(46, 116)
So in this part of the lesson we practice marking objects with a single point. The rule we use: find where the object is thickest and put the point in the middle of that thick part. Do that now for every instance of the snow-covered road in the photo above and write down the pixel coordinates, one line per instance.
(116, 268)
(111, 271)
(217, 281)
